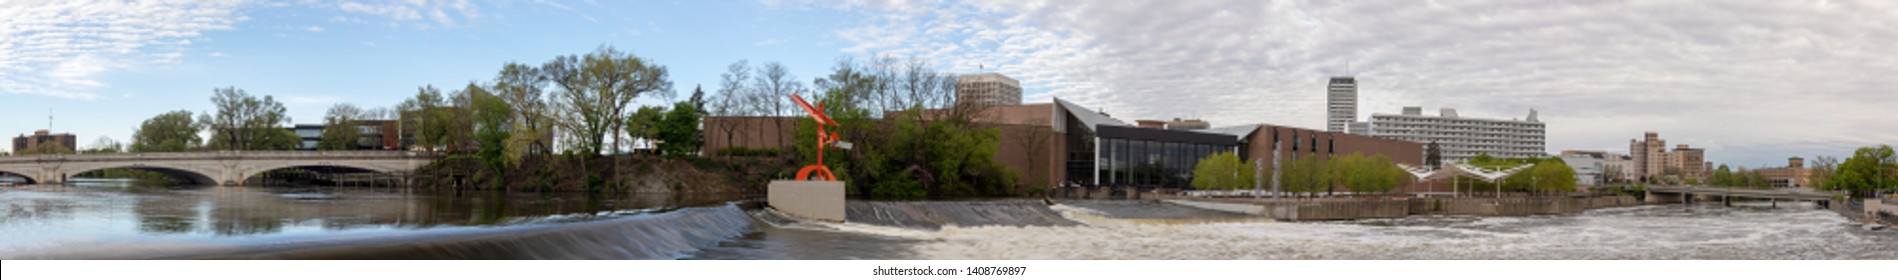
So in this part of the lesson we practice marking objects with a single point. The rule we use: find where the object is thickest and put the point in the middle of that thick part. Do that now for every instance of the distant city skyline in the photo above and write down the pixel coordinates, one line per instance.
(1751, 82)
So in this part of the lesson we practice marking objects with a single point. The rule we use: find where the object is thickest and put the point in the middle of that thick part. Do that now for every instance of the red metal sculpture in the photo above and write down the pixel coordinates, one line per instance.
(818, 172)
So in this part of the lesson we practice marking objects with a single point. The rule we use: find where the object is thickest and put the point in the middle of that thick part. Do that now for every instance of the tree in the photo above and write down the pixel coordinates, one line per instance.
(678, 131)
(104, 145)
(1035, 142)
(594, 91)
(643, 124)
(1482, 160)
(493, 125)
(340, 130)
(698, 98)
(774, 85)
(46, 148)
(1223, 171)
(1433, 155)
(1612, 173)
(1722, 177)
(460, 118)
(1305, 175)
(1554, 175)
(520, 85)
(246, 123)
(1862, 173)
(1821, 173)
(421, 114)
(730, 100)
(173, 131)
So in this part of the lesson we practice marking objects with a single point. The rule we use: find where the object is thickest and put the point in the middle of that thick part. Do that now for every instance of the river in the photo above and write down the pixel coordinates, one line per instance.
(110, 219)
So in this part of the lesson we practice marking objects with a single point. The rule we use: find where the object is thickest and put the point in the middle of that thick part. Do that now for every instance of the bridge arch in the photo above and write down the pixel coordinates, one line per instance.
(32, 176)
(254, 170)
(193, 175)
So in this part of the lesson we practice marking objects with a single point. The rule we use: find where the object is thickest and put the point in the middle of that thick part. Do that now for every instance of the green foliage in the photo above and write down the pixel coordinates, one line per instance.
(1543, 175)
(173, 131)
(1304, 175)
(644, 123)
(678, 131)
(1224, 171)
(1722, 177)
(521, 86)
(1870, 169)
(594, 90)
(493, 128)
(425, 114)
(246, 123)
(46, 148)
(1365, 174)
(1433, 155)
(340, 129)
(907, 157)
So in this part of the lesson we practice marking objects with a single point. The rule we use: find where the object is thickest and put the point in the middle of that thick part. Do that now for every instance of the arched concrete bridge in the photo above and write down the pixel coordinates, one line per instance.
(1685, 194)
(227, 168)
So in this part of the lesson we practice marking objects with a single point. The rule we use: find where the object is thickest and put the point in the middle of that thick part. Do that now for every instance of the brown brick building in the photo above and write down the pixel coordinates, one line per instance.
(1793, 175)
(40, 138)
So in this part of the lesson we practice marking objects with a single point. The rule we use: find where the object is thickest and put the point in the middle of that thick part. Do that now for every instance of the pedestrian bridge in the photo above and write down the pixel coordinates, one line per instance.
(1687, 193)
(227, 167)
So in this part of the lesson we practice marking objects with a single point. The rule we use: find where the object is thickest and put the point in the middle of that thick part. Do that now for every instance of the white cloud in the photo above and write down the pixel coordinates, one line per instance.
(60, 48)
(1753, 81)
(450, 13)
(313, 28)
(768, 42)
(217, 54)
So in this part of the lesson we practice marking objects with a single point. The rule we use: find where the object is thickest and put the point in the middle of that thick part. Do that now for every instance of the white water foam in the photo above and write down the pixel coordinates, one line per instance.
(1647, 232)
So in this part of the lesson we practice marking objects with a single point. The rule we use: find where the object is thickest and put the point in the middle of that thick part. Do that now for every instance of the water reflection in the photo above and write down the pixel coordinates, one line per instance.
(90, 212)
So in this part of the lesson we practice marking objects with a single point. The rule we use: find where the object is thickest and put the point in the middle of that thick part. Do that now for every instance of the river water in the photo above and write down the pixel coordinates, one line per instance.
(109, 219)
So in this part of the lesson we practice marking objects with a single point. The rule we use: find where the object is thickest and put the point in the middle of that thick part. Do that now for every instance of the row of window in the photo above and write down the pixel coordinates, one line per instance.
(1459, 129)
(1454, 136)
(1382, 119)
(1141, 163)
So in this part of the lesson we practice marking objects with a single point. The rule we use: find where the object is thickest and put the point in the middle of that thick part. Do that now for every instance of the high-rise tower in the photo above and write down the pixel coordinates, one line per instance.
(1342, 103)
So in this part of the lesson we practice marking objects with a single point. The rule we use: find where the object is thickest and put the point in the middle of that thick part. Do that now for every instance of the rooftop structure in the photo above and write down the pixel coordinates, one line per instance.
(1341, 104)
(990, 89)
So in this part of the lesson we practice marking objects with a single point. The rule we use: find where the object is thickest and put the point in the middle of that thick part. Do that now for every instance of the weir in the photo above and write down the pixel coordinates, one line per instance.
(668, 235)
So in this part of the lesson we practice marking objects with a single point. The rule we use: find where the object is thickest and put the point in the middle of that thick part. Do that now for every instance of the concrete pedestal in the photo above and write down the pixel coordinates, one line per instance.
(818, 200)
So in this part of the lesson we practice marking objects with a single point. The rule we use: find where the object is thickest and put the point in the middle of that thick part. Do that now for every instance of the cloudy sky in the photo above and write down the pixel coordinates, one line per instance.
(1754, 82)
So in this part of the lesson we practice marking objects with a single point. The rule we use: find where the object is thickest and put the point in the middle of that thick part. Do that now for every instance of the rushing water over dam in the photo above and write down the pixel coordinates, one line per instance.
(117, 222)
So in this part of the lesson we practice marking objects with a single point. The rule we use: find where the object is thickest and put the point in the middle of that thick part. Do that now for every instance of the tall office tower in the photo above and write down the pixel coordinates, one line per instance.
(1342, 103)
(988, 89)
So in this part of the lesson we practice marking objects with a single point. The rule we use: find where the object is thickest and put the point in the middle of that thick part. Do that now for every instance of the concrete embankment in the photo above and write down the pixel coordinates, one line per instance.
(1315, 210)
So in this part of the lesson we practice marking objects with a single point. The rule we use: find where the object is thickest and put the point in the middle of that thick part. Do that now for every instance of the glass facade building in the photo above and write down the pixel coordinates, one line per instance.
(1124, 156)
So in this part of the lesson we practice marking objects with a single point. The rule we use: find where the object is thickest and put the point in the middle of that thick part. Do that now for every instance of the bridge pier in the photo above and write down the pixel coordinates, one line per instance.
(1727, 199)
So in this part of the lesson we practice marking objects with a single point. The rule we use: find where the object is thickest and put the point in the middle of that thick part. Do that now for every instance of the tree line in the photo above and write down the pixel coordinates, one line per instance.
(910, 138)
(1869, 172)
(1544, 175)
(1308, 176)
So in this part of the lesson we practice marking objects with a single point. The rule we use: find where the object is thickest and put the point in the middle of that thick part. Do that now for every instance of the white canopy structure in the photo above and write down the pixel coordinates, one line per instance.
(1451, 170)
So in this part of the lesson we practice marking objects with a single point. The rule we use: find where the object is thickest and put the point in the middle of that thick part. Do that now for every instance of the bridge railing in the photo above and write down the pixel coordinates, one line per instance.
(1704, 189)
(217, 154)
